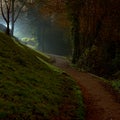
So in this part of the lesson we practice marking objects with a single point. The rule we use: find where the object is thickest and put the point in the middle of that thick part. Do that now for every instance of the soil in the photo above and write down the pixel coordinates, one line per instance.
(100, 102)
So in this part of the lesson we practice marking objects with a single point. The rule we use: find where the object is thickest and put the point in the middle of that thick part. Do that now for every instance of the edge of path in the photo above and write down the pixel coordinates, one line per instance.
(99, 102)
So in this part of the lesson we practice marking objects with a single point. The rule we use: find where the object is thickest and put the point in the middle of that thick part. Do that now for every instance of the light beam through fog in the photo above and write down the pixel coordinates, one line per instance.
(39, 33)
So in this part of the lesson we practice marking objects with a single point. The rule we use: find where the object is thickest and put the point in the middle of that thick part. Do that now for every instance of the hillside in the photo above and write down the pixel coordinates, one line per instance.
(31, 88)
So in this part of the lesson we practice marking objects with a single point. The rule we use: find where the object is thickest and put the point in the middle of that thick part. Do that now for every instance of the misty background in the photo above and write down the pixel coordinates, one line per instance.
(41, 33)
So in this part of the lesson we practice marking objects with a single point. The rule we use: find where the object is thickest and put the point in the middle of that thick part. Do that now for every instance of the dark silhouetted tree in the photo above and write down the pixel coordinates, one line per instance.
(10, 10)
(74, 9)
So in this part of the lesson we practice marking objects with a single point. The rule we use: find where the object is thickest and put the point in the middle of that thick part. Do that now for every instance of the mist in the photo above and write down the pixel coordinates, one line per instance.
(41, 33)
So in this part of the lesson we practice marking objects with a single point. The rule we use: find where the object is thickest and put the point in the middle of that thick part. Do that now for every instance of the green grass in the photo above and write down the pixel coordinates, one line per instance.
(116, 85)
(30, 87)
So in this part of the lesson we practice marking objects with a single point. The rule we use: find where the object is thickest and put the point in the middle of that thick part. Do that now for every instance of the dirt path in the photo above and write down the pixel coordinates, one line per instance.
(99, 102)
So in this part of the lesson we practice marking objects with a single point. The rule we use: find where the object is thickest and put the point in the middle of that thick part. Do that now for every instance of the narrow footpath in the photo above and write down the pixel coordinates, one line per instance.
(100, 103)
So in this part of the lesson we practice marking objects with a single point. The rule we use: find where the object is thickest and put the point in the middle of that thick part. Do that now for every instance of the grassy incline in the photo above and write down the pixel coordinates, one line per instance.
(30, 88)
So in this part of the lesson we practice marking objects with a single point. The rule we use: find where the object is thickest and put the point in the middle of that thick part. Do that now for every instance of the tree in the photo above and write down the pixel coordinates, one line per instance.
(7, 17)
(10, 10)
(73, 9)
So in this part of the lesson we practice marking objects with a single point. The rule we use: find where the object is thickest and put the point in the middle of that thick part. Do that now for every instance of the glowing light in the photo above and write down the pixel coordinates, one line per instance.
(4, 23)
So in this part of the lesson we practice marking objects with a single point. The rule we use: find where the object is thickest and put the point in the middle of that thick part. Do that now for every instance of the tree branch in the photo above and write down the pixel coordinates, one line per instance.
(19, 12)
(3, 15)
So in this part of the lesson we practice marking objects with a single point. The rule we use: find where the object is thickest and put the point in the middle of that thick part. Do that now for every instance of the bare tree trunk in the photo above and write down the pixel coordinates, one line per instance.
(13, 14)
(9, 15)
(8, 19)
(14, 18)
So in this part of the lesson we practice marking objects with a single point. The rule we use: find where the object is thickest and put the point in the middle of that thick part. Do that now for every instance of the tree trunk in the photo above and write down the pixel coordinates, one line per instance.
(12, 21)
(8, 22)
(76, 38)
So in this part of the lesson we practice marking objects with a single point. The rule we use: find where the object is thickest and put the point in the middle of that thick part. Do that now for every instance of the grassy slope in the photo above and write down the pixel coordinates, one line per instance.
(30, 88)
